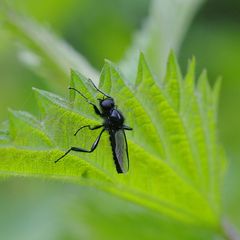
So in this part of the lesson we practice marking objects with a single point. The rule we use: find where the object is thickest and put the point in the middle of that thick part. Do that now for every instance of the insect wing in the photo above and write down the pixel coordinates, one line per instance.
(120, 151)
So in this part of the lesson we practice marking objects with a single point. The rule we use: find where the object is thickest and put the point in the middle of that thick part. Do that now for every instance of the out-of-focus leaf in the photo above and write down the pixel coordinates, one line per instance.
(44, 52)
(66, 211)
(162, 31)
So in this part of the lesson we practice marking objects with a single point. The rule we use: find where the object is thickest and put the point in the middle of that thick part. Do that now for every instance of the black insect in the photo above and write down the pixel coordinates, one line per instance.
(113, 122)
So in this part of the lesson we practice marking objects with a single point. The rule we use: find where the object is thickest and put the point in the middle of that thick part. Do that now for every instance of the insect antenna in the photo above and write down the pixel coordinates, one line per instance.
(71, 88)
(106, 95)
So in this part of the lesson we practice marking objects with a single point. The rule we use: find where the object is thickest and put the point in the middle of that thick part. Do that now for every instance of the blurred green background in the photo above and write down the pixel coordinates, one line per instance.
(69, 212)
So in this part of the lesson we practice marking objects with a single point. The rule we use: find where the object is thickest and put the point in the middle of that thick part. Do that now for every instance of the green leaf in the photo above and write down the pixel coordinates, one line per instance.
(163, 30)
(136, 115)
(79, 213)
(176, 164)
(43, 51)
(173, 81)
(78, 81)
(26, 130)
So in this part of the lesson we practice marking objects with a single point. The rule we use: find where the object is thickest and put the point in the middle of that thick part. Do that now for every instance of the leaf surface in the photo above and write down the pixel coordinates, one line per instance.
(176, 164)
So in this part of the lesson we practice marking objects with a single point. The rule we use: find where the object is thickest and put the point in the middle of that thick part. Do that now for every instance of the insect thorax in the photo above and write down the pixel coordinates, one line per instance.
(114, 120)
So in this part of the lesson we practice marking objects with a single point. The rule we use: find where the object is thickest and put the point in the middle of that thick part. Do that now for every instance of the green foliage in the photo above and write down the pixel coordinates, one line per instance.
(52, 57)
(176, 162)
(163, 30)
(43, 52)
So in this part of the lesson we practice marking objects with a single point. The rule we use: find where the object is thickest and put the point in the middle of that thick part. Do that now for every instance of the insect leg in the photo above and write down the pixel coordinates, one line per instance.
(97, 111)
(89, 127)
(66, 153)
(127, 128)
(106, 95)
(76, 149)
(93, 146)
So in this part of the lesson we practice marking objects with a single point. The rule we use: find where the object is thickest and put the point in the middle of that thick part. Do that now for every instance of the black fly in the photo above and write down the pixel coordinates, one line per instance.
(113, 122)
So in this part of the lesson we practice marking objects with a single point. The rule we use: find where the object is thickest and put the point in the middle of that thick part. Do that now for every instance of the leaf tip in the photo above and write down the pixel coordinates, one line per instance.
(112, 68)
(173, 70)
(190, 76)
(142, 69)
(192, 63)
(142, 60)
(107, 61)
(172, 57)
(36, 90)
(141, 56)
(105, 79)
(203, 77)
